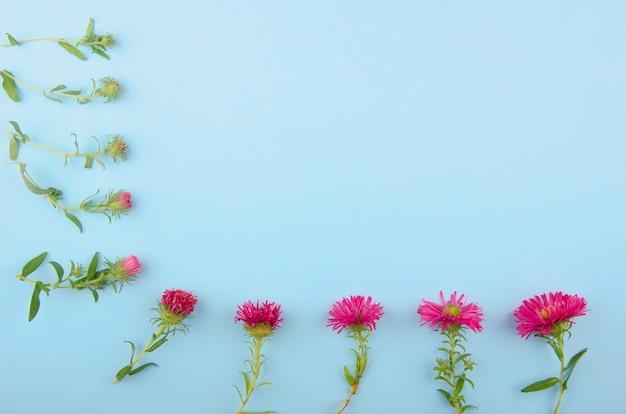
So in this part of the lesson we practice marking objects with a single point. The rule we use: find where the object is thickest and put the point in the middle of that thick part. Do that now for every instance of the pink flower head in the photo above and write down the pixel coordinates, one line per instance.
(355, 313)
(123, 199)
(452, 313)
(178, 302)
(542, 314)
(131, 265)
(253, 315)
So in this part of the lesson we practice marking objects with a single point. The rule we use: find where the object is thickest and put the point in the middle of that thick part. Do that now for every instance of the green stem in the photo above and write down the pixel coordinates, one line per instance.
(65, 155)
(362, 364)
(256, 369)
(160, 332)
(48, 91)
(561, 346)
(54, 39)
(452, 338)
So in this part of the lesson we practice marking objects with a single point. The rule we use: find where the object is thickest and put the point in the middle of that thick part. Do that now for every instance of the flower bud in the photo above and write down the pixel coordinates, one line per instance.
(109, 89)
(116, 148)
(120, 202)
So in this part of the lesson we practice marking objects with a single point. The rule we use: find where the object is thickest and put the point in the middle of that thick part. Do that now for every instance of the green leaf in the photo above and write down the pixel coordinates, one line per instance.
(73, 50)
(93, 266)
(100, 52)
(89, 28)
(246, 378)
(58, 88)
(34, 301)
(59, 269)
(17, 128)
(74, 220)
(33, 264)
(132, 350)
(8, 84)
(88, 162)
(73, 92)
(57, 100)
(446, 394)
(541, 385)
(459, 386)
(141, 368)
(574, 360)
(557, 349)
(157, 344)
(14, 148)
(571, 365)
(94, 292)
(12, 40)
(123, 372)
(348, 376)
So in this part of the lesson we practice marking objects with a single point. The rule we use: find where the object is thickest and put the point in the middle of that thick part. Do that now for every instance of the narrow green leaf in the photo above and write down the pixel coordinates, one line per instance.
(73, 50)
(57, 100)
(574, 360)
(89, 28)
(74, 220)
(571, 365)
(16, 127)
(246, 378)
(34, 301)
(123, 372)
(348, 376)
(157, 344)
(100, 52)
(100, 163)
(14, 148)
(73, 92)
(459, 386)
(58, 88)
(12, 40)
(93, 265)
(557, 349)
(141, 368)
(94, 292)
(446, 394)
(9, 86)
(33, 264)
(541, 385)
(59, 269)
(88, 162)
(132, 350)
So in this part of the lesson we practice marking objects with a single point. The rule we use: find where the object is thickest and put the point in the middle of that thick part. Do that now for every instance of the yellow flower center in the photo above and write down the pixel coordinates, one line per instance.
(452, 310)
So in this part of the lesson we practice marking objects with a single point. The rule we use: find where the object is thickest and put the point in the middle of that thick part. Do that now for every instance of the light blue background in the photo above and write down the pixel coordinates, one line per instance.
(301, 151)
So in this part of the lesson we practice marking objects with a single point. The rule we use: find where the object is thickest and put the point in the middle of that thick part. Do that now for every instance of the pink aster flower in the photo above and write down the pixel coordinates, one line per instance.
(123, 199)
(451, 317)
(354, 313)
(174, 307)
(260, 320)
(179, 302)
(131, 265)
(550, 316)
(358, 316)
(454, 312)
(541, 314)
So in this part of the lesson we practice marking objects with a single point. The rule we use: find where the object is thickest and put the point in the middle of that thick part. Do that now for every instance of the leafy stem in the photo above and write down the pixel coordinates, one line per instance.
(158, 338)
(112, 205)
(97, 43)
(361, 361)
(448, 370)
(109, 89)
(77, 278)
(251, 377)
(115, 148)
(556, 341)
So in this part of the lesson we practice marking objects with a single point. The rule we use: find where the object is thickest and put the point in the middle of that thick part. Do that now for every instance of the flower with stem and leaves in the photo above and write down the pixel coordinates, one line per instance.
(113, 205)
(115, 148)
(358, 316)
(452, 317)
(95, 278)
(260, 321)
(550, 318)
(174, 308)
(97, 43)
(109, 89)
